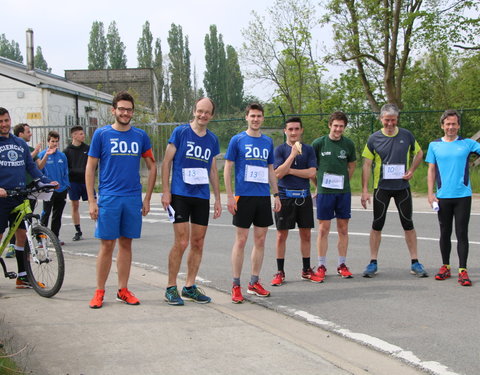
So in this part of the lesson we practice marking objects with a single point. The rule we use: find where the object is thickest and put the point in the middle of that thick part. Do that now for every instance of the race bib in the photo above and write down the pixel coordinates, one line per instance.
(393, 171)
(257, 174)
(195, 176)
(332, 181)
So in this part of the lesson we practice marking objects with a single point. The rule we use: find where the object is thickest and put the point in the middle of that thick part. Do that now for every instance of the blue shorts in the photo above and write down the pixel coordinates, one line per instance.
(119, 217)
(6, 206)
(330, 206)
(77, 191)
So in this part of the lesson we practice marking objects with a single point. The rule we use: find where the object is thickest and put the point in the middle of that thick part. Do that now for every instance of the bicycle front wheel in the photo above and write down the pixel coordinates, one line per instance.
(44, 263)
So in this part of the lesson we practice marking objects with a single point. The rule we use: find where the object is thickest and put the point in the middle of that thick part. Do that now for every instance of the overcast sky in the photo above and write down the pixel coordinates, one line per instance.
(62, 27)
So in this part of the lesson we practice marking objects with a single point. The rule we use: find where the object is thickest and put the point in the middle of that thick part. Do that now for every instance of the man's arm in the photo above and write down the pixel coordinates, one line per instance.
(417, 159)
(351, 168)
(90, 185)
(227, 177)
(152, 178)
(366, 170)
(36, 150)
(41, 162)
(170, 152)
(431, 174)
(217, 207)
(272, 179)
(284, 169)
(303, 173)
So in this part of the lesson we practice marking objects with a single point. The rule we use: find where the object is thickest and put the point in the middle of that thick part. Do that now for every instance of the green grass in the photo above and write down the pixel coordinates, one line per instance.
(7, 365)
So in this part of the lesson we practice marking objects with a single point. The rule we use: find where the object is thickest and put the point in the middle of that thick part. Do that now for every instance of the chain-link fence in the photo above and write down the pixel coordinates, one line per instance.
(425, 125)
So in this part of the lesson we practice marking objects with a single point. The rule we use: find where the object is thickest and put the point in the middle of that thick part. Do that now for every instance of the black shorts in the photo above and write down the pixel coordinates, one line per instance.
(6, 206)
(197, 210)
(403, 201)
(295, 210)
(253, 210)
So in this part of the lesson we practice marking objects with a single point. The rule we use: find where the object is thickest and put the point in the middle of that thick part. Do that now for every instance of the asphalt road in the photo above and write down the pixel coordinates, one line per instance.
(432, 324)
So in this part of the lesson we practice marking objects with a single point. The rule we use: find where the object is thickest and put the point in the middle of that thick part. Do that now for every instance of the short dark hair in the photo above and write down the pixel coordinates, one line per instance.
(53, 134)
(448, 113)
(338, 115)
(256, 106)
(3, 111)
(75, 129)
(294, 119)
(204, 97)
(19, 128)
(123, 95)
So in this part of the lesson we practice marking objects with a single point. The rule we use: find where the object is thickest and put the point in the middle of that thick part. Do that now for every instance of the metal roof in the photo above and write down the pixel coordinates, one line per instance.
(44, 80)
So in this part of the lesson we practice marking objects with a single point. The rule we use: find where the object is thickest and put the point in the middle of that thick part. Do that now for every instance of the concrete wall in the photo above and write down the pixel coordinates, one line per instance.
(141, 82)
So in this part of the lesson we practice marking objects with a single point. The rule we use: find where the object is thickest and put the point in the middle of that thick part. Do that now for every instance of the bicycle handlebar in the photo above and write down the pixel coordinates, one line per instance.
(40, 188)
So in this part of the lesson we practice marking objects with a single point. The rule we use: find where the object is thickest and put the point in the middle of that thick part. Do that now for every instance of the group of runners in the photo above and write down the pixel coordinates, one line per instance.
(254, 170)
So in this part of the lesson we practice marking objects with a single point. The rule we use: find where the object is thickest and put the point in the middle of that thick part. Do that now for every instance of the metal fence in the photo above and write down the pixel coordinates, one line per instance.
(424, 125)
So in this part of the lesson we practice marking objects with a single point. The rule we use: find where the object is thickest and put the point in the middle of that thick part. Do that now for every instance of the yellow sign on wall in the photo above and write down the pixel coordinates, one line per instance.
(34, 116)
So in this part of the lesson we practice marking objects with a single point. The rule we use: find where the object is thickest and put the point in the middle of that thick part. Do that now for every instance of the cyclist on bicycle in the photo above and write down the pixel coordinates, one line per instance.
(15, 161)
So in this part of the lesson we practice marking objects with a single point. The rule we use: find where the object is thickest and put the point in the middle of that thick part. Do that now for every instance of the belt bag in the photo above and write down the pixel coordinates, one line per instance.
(297, 193)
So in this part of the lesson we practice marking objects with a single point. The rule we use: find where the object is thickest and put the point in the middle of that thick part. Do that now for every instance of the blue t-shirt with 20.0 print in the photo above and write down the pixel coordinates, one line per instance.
(194, 155)
(119, 155)
(248, 153)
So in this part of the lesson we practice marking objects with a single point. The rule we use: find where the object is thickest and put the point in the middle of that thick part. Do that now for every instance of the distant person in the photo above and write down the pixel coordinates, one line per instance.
(336, 159)
(252, 154)
(118, 149)
(23, 131)
(295, 164)
(77, 156)
(389, 150)
(53, 164)
(15, 162)
(447, 159)
(191, 156)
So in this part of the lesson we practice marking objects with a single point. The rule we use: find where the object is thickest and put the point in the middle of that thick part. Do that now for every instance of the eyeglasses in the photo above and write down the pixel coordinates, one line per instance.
(128, 110)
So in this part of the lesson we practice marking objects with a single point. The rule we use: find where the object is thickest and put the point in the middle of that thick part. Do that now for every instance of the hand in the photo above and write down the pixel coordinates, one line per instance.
(51, 151)
(232, 205)
(432, 198)
(408, 175)
(37, 149)
(277, 205)
(364, 199)
(166, 200)
(93, 209)
(217, 209)
(3, 193)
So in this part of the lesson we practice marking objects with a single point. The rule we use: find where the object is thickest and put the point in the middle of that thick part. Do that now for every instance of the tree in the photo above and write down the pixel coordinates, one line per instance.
(281, 52)
(144, 47)
(10, 50)
(158, 68)
(215, 76)
(39, 60)
(234, 81)
(379, 37)
(179, 73)
(97, 47)
(116, 49)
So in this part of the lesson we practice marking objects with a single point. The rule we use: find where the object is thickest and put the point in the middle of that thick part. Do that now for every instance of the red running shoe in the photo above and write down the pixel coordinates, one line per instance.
(237, 294)
(463, 279)
(312, 276)
(343, 271)
(321, 272)
(124, 295)
(278, 279)
(443, 273)
(97, 300)
(257, 289)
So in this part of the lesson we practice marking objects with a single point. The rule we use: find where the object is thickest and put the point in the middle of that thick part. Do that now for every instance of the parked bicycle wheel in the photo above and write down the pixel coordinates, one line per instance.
(44, 264)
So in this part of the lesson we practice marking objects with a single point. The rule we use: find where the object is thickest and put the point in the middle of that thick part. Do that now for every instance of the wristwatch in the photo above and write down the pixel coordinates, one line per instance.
(276, 194)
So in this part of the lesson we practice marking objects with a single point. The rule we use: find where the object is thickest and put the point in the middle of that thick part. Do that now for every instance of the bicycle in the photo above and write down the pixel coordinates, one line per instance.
(43, 255)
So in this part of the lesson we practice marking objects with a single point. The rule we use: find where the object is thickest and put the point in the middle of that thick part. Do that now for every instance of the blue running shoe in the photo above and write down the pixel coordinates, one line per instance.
(370, 270)
(172, 297)
(418, 270)
(195, 294)
(10, 252)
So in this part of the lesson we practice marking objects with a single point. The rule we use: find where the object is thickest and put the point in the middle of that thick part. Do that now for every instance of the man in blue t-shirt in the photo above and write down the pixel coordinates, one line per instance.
(295, 164)
(118, 149)
(448, 159)
(191, 156)
(252, 154)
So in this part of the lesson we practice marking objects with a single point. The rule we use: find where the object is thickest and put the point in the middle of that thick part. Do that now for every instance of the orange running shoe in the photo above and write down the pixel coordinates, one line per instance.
(463, 279)
(343, 271)
(97, 300)
(443, 273)
(278, 278)
(237, 294)
(124, 295)
(312, 276)
(257, 289)
(320, 273)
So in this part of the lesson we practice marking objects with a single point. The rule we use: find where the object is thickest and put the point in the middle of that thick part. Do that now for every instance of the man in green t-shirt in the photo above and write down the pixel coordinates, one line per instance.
(336, 162)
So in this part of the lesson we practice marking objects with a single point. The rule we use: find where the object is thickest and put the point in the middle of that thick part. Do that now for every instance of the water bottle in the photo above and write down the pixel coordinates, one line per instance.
(435, 206)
